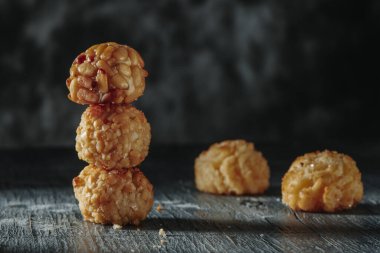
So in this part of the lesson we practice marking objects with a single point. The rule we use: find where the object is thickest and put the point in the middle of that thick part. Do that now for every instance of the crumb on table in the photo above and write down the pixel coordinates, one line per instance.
(162, 233)
(116, 226)
(159, 208)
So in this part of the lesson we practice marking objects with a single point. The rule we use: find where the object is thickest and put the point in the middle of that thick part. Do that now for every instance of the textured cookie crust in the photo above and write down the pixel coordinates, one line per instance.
(232, 167)
(113, 136)
(322, 181)
(106, 73)
(119, 197)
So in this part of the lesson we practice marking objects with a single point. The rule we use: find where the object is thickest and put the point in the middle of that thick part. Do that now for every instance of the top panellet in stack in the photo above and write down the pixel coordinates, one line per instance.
(107, 73)
(113, 136)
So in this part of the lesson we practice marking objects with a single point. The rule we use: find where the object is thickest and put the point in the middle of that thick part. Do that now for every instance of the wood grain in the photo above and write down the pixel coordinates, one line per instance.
(38, 212)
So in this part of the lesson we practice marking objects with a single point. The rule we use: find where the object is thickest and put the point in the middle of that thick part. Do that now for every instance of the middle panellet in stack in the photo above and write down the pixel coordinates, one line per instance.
(113, 136)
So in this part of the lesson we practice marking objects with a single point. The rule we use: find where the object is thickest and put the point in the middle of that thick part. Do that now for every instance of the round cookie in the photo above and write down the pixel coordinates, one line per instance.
(322, 181)
(106, 73)
(113, 136)
(232, 167)
(119, 197)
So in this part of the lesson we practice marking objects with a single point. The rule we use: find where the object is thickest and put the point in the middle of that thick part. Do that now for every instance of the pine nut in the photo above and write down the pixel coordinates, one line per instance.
(87, 96)
(124, 69)
(119, 81)
(136, 75)
(73, 71)
(102, 80)
(107, 53)
(120, 54)
(85, 82)
(99, 49)
(73, 88)
(104, 66)
(133, 56)
(86, 69)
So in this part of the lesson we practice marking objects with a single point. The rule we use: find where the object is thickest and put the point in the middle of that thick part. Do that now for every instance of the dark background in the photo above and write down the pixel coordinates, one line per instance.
(268, 71)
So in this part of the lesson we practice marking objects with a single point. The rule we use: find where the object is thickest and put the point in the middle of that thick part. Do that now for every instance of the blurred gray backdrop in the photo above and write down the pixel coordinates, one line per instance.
(261, 70)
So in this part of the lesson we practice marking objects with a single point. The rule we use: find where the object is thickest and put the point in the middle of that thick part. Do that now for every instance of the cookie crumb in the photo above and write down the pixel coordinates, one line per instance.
(116, 226)
(159, 208)
(162, 233)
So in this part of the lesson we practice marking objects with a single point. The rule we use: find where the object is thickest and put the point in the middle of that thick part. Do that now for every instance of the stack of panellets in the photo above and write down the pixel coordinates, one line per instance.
(113, 136)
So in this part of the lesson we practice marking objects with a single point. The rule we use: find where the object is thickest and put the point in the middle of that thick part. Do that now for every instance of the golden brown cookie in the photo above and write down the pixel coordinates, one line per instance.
(232, 167)
(322, 181)
(119, 197)
(113, 136)
(107, 73)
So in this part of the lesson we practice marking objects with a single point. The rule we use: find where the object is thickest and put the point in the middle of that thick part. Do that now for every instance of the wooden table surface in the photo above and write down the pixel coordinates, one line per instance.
(38, 212)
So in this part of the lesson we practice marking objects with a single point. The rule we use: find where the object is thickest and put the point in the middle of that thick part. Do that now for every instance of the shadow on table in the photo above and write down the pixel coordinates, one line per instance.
(363, 209)
(262, 227)
(198, 225)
